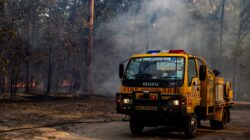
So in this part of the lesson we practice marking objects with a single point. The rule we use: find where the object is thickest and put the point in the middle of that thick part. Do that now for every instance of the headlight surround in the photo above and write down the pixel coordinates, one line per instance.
(127, 101)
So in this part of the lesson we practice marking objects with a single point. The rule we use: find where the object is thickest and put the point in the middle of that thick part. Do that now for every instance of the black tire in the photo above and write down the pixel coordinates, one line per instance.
(223, 123)
(198, 123)
(136, 127)
(191, 126)
(228, 115)
(214, 124)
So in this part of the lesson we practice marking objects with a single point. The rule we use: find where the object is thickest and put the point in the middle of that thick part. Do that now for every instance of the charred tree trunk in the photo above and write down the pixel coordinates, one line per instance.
(4, 85)
(222, 23)
(236, 55)
(56, 86)
(71, 87)
(44, 85)
(11, 80)
(27, 64)
(49, 72)
(2, 3)
(221, 29)
(2, 9)
(27, 87)
(90, 47)
(12, 75)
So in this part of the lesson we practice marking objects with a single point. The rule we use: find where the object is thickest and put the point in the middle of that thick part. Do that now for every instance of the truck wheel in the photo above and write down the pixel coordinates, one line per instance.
(136, 127)
(228, 115)
(191, 126)
(223, 123)
(220, 124)
(214, 124)
(198, 123)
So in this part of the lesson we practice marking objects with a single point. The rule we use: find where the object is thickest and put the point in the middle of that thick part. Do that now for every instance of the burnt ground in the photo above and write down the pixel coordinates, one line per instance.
(26, 117)
(95, 117)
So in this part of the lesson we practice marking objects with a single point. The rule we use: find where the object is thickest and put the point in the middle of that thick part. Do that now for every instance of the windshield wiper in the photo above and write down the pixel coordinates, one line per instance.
(143, 75)
(171, 77)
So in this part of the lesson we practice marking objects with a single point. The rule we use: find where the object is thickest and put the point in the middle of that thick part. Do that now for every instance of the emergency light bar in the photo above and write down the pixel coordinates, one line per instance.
(177, 51)
(165, 51)
(153, 51)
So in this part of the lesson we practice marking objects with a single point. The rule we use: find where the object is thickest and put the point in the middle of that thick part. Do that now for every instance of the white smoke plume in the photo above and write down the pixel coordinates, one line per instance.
(159, 24)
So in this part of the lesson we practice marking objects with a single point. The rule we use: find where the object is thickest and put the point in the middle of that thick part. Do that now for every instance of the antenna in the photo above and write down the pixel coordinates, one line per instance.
(147, 37)
(176, 75)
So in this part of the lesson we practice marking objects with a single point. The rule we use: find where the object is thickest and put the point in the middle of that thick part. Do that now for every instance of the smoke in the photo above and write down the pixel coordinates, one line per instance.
(158, 24)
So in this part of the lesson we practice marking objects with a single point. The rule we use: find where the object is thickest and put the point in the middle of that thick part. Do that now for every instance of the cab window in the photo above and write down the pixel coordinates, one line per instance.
(192, 72)
(199, 63)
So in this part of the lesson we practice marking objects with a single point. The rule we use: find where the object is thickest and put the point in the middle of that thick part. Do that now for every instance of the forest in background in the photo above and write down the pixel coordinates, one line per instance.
(44, 43)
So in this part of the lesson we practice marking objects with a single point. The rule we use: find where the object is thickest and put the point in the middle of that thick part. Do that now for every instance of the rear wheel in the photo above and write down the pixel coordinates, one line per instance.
(191, 126)
(220, 124)
(223, 123)
(214, 124)
(228, 115)
(136, 127)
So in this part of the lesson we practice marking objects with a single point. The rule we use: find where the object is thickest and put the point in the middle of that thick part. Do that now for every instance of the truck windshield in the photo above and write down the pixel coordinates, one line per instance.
(164, 68)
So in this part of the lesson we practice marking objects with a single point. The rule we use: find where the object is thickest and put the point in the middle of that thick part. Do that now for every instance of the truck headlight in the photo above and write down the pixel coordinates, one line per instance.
(127, 101)
(176, 102)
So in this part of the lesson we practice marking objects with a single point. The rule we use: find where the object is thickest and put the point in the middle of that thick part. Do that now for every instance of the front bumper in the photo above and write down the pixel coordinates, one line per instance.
(151, 108)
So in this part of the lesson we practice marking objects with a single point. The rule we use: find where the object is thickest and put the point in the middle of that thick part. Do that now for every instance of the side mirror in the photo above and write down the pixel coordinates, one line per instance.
(121, 70)
(203, 73)
(216, 72)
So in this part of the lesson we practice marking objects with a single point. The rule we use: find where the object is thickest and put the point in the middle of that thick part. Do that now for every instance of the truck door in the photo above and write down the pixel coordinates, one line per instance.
(193, 83)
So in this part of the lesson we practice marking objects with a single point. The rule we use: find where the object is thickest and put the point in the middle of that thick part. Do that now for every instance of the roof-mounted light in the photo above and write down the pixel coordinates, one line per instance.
(153, 51)
(177, 51)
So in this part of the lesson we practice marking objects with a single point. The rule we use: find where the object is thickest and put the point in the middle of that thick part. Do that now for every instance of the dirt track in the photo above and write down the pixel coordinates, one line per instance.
(237, 130)
(95, 118)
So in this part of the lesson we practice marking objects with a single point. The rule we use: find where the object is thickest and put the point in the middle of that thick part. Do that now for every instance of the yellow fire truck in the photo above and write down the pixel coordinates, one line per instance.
(172, 88)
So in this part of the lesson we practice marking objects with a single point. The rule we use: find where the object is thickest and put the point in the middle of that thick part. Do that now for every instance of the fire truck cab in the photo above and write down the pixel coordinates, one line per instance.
(172, 88)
